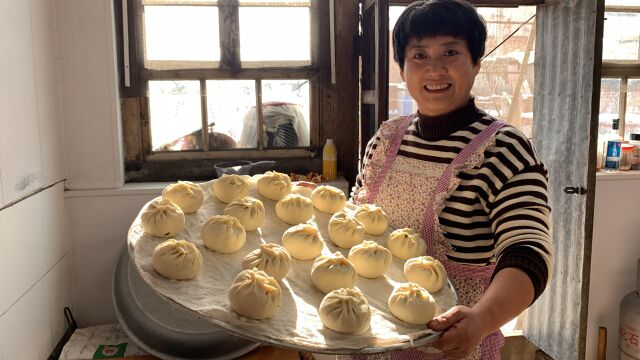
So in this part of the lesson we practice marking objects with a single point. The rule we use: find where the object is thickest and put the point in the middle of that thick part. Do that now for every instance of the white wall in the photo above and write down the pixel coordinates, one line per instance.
(35, 260)
(615, 251)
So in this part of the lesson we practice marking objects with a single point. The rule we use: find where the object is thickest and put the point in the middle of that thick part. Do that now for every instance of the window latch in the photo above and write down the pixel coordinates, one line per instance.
(575, 190)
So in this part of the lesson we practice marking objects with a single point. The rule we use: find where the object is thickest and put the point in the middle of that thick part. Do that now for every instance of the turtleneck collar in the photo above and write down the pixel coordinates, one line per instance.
(433, 128)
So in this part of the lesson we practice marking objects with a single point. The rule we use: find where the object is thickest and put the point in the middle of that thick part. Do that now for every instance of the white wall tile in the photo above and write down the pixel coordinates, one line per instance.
(20, 157)
(58, 284)
(34, 232)
(90, 100)
(25, 332)
(50, 124)
(98, 228)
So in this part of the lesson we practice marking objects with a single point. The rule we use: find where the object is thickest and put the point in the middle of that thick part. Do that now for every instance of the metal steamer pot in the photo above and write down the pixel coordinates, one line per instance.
(165, 329)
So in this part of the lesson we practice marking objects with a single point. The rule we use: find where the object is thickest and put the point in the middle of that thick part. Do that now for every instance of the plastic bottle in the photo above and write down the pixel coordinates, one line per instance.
(634, 139)
(612, 148)
(630, 323)
(330, 160)
(626, 156)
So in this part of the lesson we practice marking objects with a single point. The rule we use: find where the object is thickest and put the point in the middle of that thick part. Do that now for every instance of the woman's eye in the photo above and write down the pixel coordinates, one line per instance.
(419, 56)
(451, 52)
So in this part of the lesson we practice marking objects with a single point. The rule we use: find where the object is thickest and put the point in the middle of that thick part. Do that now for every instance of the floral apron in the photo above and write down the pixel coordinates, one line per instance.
(396, 182)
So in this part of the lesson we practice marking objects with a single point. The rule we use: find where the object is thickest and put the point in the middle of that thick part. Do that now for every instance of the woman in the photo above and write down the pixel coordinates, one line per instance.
(471, 184)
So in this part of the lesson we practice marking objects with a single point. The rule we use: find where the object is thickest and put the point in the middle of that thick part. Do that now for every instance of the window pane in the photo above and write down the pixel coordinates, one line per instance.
(175, 111)
(632, 116)
(609, 104)
(504, 86)
(230, 104)
(283, 2)
(621, 36)
(188, 33)
(622, 2)
(275, 34)
(285, 113)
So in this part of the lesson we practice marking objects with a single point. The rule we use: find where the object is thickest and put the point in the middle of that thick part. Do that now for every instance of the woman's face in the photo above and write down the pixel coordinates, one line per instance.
(439, 73)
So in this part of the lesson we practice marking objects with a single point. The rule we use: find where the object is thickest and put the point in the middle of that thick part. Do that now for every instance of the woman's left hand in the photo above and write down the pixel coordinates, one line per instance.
(462, 330)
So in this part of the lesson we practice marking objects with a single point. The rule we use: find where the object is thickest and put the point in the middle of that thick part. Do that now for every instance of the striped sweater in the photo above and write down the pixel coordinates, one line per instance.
(499, 213)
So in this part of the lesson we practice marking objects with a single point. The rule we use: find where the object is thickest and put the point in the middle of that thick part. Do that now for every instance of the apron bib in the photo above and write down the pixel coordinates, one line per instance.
(413, 194)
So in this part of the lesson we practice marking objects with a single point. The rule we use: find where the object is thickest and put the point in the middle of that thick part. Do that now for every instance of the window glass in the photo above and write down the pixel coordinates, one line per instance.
(275, 34)
(504, 86)
(228, 103)
(632, 115)
(621, 36)
(181, 33)
(622, 3)
(285, 108)
(175, 111)
(609, 104)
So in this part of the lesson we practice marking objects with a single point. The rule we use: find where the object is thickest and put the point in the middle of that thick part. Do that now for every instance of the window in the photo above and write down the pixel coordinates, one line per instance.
(504, 86)
(221, 80)
(620, 83)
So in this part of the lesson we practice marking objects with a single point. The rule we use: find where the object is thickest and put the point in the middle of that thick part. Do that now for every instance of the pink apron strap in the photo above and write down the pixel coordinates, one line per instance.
(390, 157)
(429, 222)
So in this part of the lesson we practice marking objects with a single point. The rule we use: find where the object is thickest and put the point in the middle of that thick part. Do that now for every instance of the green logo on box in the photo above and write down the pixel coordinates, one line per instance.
(110, 351)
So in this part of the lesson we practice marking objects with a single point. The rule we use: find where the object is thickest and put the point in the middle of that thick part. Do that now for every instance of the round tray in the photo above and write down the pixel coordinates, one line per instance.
(163, 329)
(296, 325)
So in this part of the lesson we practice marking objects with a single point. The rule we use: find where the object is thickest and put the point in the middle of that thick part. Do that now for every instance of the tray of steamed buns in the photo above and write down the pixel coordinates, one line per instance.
(290, 264)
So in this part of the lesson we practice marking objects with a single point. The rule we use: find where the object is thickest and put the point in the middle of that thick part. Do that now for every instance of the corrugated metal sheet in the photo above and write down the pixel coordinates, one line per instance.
(564, 67)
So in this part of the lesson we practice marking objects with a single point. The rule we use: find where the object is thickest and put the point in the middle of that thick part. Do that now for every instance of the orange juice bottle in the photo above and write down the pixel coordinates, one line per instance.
(330, 160)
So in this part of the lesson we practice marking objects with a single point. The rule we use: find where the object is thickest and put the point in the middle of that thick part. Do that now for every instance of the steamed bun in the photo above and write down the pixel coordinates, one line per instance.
(406, 243)
(223, 234)
(370, 259)
(302, 241)
(177, 259)
(162, 218)
(249, 211)
(304, 188)
(331, 272)
(426, 272)
(294, 209)
(345, 311)
(274, 185)
(187, 195)
(345, 231)
(255, 294)
(328, 199)
(270, 258)
(373, 218)
(229, 187)
(411, 303)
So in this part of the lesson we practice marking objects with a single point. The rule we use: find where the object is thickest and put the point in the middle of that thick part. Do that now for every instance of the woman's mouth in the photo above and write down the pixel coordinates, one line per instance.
(441, 87)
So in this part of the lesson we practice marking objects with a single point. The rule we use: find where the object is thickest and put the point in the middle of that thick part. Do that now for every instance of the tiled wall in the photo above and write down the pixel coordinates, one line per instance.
(34, 248)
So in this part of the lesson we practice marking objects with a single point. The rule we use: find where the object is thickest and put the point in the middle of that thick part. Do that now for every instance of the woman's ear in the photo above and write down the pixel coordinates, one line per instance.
(476, 66)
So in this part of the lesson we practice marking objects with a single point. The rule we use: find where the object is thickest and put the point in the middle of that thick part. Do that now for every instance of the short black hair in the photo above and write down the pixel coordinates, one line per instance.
(428, 18)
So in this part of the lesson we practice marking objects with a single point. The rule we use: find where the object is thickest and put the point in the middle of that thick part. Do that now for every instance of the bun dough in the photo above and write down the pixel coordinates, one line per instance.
(331, 272)
(302, 241)
(426, 272)
(223, 234)
(177, 259)
(345, 231)
(187, 195)
(328, 199)
(270, 258)
(230, 187)
(294, 209)
(249, 211)
(411, 303)
(162, 218)
(370, 259)
(303, 188)
(274, 185)
(255, 294)
(345, 311)
(373, 218)
(406, 243)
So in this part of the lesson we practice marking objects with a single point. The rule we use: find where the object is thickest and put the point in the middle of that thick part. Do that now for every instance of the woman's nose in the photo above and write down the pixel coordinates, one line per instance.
(436, 66)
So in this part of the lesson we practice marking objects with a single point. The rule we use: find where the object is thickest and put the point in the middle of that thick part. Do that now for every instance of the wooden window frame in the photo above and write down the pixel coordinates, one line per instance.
(143, 164)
